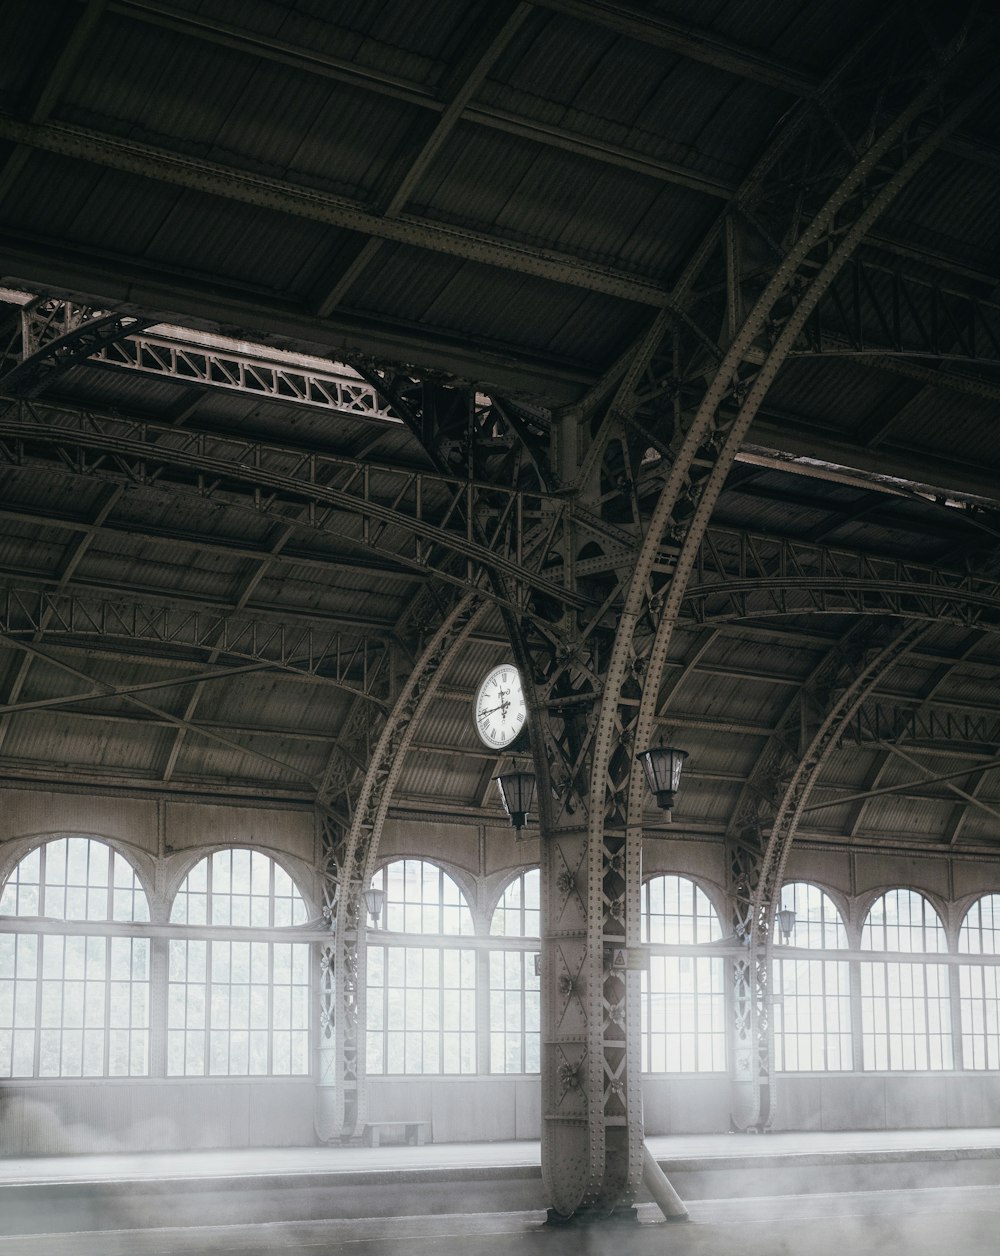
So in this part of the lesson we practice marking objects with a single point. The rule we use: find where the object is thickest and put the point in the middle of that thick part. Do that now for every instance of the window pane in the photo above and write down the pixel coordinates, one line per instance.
(74, 878)
(238, 887)
(682, 1002)
(905, 1016)
(420, 1009)
(514, 1024)
(676, 911)
(420, 897)
(902, 920)
(238, 1008)
(517, 913)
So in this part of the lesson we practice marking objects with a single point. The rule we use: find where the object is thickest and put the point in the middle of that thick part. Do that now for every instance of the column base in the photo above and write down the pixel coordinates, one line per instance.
(626, 1215)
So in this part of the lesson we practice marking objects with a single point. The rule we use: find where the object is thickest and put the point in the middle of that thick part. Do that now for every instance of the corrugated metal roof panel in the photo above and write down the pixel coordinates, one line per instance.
(738, 699)
(804, 387)
(541, 196)
(123, 214)
(26, 37)
(950, 210)
(902, 818)
(761, 658)
(431, 289)
(808, 36)
(61, 738)
(439, 777)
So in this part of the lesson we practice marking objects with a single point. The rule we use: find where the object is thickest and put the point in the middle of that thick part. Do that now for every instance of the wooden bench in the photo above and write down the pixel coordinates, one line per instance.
(415, 1133)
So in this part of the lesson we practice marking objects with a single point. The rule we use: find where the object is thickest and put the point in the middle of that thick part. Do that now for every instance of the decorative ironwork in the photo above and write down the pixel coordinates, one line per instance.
(739, 575)
(56, 335)
(696, 433)
(876, 310)
(418, 518)
(764, 825)
(338, 390)
(353, 660)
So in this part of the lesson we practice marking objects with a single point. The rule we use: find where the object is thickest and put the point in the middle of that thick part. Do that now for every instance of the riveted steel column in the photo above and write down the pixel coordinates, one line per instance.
(353, 854)
(590, 1128)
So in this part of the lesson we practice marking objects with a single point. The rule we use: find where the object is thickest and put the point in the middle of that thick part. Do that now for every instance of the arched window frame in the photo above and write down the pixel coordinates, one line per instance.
(684, 1011)
(239, 995)
(978, 942)
(74, 1001)
(421, 982)
(812, 988)
(905, 996)
(514, 981)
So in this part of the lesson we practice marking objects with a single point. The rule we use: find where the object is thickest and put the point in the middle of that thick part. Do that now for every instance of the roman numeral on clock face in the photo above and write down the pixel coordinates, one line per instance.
(499, 707)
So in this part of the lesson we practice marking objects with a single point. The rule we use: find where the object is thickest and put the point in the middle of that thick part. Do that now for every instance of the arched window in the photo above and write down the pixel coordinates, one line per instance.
(421, 993)
(515, 1025)
(74, 1005)
(812, 997)
(237, 1006)
(978, 985)
(905, 1013)
(683, 1001)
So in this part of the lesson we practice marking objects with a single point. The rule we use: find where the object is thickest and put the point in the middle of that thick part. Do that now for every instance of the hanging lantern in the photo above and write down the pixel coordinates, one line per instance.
(786, 922)
(517, 793)
(662, 768)
(374, 900)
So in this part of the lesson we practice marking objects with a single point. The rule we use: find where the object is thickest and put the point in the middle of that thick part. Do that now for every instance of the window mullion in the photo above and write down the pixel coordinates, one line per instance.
(270, 994)
(857, 1014)
(159, 973)
(39, 969)
(107, 1010)
(484, 994)
(955, 1017)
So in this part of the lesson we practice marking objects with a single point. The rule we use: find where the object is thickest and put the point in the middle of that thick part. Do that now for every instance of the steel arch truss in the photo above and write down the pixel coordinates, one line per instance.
(356, 661)
(55, 335)
(739, 575)
(352, 809)
(421, 519)
(763, 828)
(876, 310)
(810, 203)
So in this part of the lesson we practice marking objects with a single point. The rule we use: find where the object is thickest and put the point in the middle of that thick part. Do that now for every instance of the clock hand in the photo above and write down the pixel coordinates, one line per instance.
(501, 707)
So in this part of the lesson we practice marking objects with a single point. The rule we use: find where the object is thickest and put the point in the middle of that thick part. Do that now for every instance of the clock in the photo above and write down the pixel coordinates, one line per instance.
(500, 711)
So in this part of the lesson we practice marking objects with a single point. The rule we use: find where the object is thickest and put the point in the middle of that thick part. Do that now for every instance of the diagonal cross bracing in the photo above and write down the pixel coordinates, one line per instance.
(418, 503)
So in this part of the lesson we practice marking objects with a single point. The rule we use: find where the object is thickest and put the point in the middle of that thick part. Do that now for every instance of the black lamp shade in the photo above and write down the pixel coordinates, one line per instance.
(374, 900)
(662, 768)
(517, 793)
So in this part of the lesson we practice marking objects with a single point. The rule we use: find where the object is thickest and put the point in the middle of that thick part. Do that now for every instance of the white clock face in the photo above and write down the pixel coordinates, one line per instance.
(500, 709)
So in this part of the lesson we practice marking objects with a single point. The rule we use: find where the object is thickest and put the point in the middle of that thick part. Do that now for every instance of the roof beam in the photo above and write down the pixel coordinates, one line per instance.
(87, 17)
(424, 505)
(106, 689)
(694, 42)
(199, 26)
(928, 775)
(302, 201)
(960, 812)
(794, 437)
(72, 558)
(94, 778)
(904, 786)
(469, 78)
(154, 722)
(259, 618)
(211, 304)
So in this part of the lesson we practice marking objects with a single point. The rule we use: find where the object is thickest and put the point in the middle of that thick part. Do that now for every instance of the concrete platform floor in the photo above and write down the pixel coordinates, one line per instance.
(813, 1218)
(881, 1223)
(241, 1162)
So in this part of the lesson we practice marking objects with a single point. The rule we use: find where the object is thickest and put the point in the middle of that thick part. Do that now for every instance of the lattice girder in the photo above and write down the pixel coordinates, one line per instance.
(703, 441)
